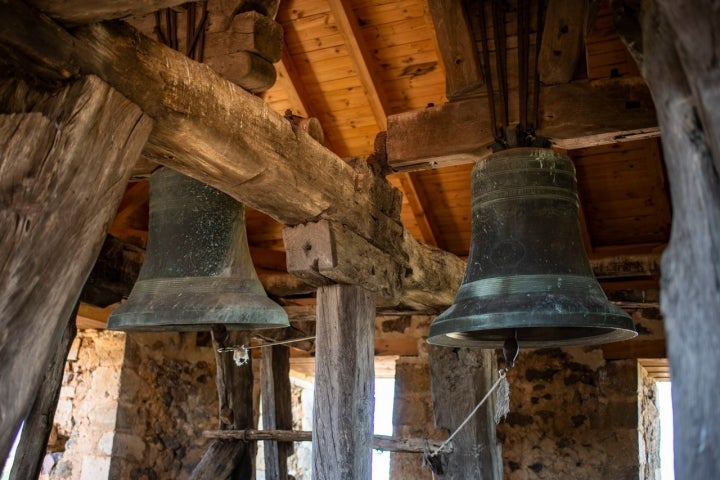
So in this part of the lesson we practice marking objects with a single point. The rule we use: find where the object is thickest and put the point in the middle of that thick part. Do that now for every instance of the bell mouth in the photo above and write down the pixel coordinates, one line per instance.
(541, 311)
(533, 337)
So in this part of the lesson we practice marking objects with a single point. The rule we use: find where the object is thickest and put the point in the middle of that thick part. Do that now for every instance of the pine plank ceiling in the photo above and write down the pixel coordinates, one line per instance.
(353, 63)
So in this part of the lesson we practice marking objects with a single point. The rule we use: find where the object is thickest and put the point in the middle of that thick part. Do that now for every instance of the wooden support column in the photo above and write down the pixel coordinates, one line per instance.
(676, 46)
(36, 431)
(344, 384)
(277, 408)
(459, 378)
(63, 169)
(228, 459)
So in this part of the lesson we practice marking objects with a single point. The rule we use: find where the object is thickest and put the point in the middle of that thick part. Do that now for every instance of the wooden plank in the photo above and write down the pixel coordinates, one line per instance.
(344, 384)
(459, 378)
(562, 41)
(634, 349)
(690, 295)
(379, 442)
(33, 442)
(61, 180)
(463, 73)
(276, 407)
(361, 58)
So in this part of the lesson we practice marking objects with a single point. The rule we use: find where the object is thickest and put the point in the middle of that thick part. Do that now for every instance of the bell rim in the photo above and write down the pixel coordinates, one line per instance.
(610, 327)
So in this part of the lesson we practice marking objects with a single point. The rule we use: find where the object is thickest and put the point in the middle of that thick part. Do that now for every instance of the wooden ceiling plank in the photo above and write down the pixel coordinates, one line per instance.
(361, 58)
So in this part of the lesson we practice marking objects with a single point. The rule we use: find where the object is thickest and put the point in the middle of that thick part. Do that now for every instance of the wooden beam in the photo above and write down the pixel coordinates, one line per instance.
(344, 384)
(563, 41)
(379, 442)
(363, 62)
(459, 378)
(276, 408)
(463, 73)
(61, 179)
(212, 130)
(321, 253)
(33, 442)
(671, 42)
(91, 11)
(361, 58)
(235, 411)
(634, 349)
(460, 132)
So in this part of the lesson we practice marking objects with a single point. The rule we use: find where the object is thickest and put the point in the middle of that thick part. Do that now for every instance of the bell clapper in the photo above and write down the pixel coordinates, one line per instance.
(511, 348)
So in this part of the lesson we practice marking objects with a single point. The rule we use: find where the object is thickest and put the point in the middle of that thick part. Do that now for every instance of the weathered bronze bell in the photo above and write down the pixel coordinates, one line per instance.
(528, 276)
(197, 270)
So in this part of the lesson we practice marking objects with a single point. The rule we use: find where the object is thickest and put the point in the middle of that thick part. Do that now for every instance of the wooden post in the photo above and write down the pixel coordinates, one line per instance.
(459, 378)
(36, 431)
(276, 408)
(230, 459)
(344, 384)
(676, 46)
(63, 170)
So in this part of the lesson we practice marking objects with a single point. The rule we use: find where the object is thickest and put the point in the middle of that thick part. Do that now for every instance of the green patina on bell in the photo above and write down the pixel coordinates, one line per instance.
(528, 276)
(197, 270)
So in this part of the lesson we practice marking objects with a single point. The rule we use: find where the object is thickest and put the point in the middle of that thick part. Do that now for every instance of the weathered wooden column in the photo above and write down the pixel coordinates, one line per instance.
(233, 459)
(459, 378)
(276, 408)
(344, 383)
(36, 431)
(676, 45)
(65, 159)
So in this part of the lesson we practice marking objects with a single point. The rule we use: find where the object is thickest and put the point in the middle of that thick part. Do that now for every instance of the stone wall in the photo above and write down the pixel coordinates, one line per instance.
(574, 415)
(168, 397)
(81, 442)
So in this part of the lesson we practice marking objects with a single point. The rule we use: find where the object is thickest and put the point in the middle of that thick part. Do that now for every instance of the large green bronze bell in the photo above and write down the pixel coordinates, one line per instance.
(197, 270)
(528, 276)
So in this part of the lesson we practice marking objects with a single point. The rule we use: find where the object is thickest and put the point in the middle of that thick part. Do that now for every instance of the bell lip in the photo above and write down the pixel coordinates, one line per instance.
(611, 327)
(163, 314)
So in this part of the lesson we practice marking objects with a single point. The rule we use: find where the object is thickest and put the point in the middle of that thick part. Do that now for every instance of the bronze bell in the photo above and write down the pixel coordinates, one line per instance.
(528, 276)
(197, 270)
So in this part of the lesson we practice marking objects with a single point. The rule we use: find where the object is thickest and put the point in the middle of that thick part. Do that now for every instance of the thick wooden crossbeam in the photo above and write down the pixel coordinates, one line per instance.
(214, 131)
(459, 132)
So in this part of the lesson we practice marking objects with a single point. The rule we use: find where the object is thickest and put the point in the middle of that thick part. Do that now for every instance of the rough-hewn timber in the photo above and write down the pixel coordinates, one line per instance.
(230, 459)
(276, 408)
(63, 170)
(344, 383)
(677, 48)
(33, 442)
(563, 41)
(455, 133)
(459, 378)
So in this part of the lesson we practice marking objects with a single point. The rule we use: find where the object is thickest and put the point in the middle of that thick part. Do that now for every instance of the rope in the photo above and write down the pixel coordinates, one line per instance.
(503, 374)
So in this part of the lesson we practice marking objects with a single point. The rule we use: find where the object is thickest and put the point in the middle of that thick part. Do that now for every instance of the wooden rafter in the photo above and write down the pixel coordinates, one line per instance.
(362, 61)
